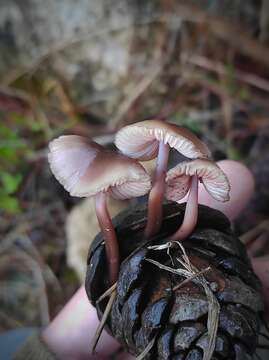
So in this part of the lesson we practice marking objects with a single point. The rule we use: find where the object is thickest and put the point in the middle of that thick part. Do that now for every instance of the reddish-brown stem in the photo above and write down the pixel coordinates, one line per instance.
(156, 194)
(191, 213)
(108, 231)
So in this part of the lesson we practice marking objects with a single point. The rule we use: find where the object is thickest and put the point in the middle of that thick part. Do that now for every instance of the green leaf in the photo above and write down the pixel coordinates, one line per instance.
(9, 204)
(6, 132)
(244, 94)
(187, 121)
(233, 153)
(35, 126)
(8, 154)
(10, 182)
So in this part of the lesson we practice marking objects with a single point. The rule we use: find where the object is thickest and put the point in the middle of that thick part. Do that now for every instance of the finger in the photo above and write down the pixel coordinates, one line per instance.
(71, 333)
(258, 245)
(242, 189)
(261, 269)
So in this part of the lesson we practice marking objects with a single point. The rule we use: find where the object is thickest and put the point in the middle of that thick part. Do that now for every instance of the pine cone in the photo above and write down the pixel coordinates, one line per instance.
(148, 307)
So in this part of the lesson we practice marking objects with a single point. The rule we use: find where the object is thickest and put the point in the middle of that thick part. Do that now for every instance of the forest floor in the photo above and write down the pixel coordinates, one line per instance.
(206, 77)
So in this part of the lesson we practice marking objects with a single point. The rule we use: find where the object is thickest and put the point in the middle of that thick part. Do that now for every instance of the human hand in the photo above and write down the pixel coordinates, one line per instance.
(70, 334)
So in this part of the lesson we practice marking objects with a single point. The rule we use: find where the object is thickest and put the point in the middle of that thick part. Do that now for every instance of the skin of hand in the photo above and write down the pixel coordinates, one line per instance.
(70, 334)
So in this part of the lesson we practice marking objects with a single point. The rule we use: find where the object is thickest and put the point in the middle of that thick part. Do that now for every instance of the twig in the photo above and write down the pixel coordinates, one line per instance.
(37, 218)
(103, 321)
(264, 22)
(150, 75)
(212, 321)
(20, 94)
(107, 293)
(219, 68)
(252, 234)
(180, 272)
(136, 91)
(186, 281)
(146, 350)
(226, 31)
(264, 335)
(197, 77)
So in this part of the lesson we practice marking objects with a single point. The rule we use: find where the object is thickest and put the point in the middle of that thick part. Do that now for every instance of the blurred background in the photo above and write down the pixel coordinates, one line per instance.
(90, 67)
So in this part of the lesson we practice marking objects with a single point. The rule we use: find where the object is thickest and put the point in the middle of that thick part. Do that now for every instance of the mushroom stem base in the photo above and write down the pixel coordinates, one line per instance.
(191, 213)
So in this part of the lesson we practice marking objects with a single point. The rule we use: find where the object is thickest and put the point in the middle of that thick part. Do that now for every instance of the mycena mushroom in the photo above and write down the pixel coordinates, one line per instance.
(86, 169)
(147, 139)
(184, 177)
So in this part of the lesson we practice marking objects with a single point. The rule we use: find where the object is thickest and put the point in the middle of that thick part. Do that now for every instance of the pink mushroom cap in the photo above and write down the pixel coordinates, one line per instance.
(209, 173)
(85, 169)
(141, 140)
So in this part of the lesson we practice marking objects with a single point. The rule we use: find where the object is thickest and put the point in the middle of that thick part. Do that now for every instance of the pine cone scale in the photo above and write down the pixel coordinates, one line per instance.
(233, 321)
(130, 273)
(165, 344)
(218, 241)
(131, 316)
(187, 334)
(238, 292)
(234, 266)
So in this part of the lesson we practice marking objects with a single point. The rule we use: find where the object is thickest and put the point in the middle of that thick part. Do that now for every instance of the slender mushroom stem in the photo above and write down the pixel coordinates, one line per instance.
(157, 192)
(108, 231)
(191, 213)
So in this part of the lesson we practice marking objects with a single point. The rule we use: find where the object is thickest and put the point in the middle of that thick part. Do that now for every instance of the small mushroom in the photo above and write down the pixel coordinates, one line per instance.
(86, 169)
(184, 177)
(147, 139)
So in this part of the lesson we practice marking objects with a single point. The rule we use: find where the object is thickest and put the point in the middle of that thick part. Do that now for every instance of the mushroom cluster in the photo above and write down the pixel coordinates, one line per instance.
(85, 169)
(154, 138)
